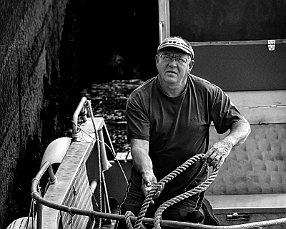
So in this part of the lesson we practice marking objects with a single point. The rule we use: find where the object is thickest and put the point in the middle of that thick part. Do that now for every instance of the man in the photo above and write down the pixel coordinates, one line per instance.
(168, 120)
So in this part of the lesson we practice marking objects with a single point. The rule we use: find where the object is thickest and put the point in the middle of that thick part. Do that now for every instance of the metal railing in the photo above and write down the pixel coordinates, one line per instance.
(36, 195)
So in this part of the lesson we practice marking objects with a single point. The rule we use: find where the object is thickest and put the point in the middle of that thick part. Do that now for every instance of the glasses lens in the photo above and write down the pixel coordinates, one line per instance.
(178, 59)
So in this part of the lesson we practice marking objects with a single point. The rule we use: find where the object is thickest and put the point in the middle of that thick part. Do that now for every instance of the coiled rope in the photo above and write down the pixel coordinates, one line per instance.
(159, 186)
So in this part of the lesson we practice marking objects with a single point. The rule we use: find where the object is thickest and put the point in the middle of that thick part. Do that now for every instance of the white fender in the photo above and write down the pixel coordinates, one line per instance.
(93, 186)
(104, 161)
(56, 150)
(21, 223)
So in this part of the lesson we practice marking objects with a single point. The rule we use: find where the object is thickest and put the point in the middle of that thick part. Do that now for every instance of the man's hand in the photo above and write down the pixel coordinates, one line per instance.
(148, 179)
(218, 153)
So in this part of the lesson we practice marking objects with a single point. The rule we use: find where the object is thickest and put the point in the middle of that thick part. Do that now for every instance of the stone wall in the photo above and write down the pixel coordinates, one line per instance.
(30, 35)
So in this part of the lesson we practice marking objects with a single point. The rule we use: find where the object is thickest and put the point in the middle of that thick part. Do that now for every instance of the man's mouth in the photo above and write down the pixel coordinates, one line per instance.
(171, 72)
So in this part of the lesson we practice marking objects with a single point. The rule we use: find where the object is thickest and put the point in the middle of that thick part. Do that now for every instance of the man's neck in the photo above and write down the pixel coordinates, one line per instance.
(173, 90)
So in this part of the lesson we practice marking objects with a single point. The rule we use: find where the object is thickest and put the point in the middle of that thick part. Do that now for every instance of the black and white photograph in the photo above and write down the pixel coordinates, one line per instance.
(142, 114)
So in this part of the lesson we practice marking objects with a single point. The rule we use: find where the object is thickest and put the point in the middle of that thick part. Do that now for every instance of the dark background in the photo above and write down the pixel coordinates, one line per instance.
(120, 42)
(239, 66)
(228, 20)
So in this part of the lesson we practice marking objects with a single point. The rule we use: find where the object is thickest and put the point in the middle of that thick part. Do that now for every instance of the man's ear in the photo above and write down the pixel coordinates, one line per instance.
(157, 58)
(191, 64)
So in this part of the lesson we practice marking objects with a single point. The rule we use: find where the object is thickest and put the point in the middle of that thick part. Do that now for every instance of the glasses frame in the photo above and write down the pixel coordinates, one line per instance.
(169, 58)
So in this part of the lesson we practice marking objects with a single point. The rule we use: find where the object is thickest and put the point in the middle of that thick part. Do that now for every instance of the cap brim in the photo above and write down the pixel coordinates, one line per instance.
(174, 46)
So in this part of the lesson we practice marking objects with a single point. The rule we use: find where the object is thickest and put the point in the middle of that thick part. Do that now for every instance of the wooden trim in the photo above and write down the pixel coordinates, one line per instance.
(261, 107)
(258, 98)
(246, 42)
(164, 19)
(252, 203)
(264, 115)
(75, 158)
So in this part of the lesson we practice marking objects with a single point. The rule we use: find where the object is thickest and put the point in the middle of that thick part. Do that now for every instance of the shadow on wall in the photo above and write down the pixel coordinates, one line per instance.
(28, 165)
(119, 44)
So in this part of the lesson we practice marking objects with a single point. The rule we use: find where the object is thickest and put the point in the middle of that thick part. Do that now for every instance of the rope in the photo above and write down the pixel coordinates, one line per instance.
(62, 208)
(128, 216)
(35, 192)
(200, 188)
(159, 186)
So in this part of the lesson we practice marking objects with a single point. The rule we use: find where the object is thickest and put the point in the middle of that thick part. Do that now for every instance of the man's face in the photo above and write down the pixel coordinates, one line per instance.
(172, 66)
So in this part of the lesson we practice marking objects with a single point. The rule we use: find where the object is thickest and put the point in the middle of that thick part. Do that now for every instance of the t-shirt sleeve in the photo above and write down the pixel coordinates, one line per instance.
(138, 124)
(224, 113)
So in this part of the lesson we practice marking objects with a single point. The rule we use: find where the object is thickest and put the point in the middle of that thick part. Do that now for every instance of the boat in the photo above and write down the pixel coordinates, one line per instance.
(88, 178)
(87, 187)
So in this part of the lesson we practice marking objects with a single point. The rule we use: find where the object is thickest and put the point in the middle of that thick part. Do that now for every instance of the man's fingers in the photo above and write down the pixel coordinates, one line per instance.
(209, 152)
(218, 152)
(148, 183)
(215, 159)
(212, 157)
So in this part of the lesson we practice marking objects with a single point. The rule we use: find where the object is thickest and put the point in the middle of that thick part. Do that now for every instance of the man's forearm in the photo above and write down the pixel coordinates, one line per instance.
(142, 162)
(220, 150)
(140, 156)
(238, 132)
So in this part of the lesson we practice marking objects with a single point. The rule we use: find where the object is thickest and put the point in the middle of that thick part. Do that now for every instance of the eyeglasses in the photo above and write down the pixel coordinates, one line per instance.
(178, 59)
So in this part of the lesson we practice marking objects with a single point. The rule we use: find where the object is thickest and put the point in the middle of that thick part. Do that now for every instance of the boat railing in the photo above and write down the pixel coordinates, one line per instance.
(42, 201)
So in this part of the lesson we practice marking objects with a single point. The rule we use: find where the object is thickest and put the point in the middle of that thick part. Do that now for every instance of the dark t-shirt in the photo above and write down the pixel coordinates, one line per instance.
(178, 128)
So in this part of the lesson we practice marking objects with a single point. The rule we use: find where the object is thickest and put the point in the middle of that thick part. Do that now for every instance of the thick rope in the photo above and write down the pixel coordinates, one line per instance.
(157, 189)
(200, 188)
(128, 216)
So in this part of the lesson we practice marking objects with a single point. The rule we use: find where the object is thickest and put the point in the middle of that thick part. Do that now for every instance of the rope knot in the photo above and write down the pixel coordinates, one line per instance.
(127, 217)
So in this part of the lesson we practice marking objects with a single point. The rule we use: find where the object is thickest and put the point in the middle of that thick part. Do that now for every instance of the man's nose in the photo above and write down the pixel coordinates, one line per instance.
(173, 62)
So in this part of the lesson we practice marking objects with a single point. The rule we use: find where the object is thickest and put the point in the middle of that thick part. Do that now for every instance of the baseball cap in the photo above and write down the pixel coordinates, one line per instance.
(176, 42)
